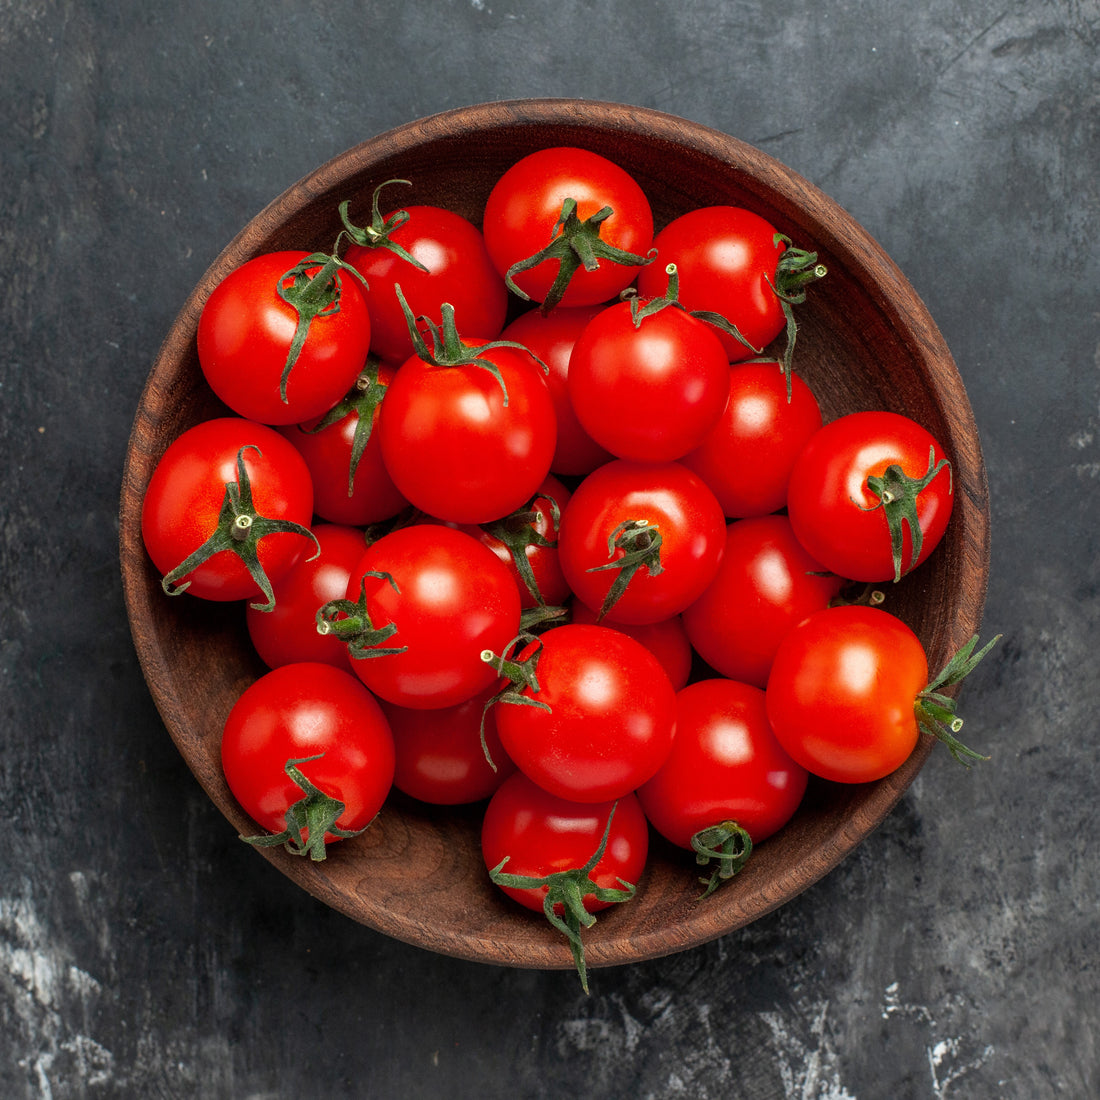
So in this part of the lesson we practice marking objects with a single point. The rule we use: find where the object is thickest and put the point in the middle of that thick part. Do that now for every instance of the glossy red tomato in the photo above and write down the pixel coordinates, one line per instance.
(459, 272)
(524, 211)
(604, 717)
(726, 258)
(351, 484)
(452, 445)
(288, 633)
(666, 640)
(747, 457)
(550, 337)
(866, 491)
(439, 754)
(766, 584)
(252, 319)
(653, 527)
(426, 601)
(842, 691)
(527, 543)
(322, 723)
(182, 509)
(725, 765)
(540, 835)
(648, 386)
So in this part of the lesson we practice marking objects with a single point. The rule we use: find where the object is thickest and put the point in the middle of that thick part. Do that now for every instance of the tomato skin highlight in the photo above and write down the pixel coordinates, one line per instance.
(453, 599)
(452, 446)
(671, 499)
(245, 333)
(183, 502)
(842, 691)
(746, 459)
(541, 834)
(839, 520)
(725, 765)
(304, 710)
(611, 716)
(765, 584)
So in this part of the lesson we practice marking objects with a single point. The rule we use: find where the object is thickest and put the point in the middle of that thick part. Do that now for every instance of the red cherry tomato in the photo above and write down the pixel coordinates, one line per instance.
(524, 208)
(660, 520)
(766, 584)
(439, 754)
(666, 640)
(603, 719)
(648, 386)
(344, 440)
(184, 501)
(459, 272)
(440, 598)
(747, 457)
(725, 765)
(550, 337)
(247, 328)
(860, 489)
(288, 633)
(842, 691)
(327, 722)
(452, 445)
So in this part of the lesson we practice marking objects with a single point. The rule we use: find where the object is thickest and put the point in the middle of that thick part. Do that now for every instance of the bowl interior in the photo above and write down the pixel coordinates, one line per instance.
(865, 341)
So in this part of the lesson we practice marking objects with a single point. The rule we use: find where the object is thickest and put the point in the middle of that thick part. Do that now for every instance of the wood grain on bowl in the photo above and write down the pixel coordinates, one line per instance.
(865, 341)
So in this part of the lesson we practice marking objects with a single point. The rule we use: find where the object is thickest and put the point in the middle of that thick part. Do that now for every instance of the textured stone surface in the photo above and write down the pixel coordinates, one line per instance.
(144, 953)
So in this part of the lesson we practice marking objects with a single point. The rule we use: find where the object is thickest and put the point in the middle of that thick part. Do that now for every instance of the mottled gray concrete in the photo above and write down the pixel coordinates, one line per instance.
(141, 955)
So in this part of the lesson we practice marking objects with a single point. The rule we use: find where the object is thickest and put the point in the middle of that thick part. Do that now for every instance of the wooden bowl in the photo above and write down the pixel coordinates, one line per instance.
(866, 341)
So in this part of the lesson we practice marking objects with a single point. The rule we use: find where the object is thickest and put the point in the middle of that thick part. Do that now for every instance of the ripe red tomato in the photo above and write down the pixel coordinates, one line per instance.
(524, 213)
(458, 271)
(234, 556)
(747, 457)
(660, 521)
(288, 633)
(318, 722)
(550, 337)
(351, 484)
(426, 601)
(767, 583)
(842, 691)
(603, 717)
(648, 386)
(439, 754)
(452, 444)
(252, 321)
(666, 640)
(725, 765)
(870, 496)
(729, 262)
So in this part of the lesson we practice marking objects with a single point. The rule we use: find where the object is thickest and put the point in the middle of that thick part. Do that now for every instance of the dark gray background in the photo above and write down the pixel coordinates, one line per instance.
(145, 953)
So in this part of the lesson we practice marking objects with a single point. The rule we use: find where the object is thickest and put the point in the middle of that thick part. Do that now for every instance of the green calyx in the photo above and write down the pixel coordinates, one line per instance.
(568, 889)
(379, 233)
(362, 400)
(312, 294)
(574, 244)
(729, 845)
(448, 348)
(521, 676)
(308, 821)
(350, 621)
(239, 529)
(897, 497)
(795, 271)
(519, 531)
(935, 712)
(640, 544)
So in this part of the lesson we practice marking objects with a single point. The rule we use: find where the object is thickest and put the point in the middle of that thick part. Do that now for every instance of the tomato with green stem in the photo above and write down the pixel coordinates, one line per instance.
(849, 694)
(308, 754)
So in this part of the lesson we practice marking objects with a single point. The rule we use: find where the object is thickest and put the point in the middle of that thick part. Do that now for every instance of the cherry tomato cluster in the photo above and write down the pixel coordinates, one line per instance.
(527, 513)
